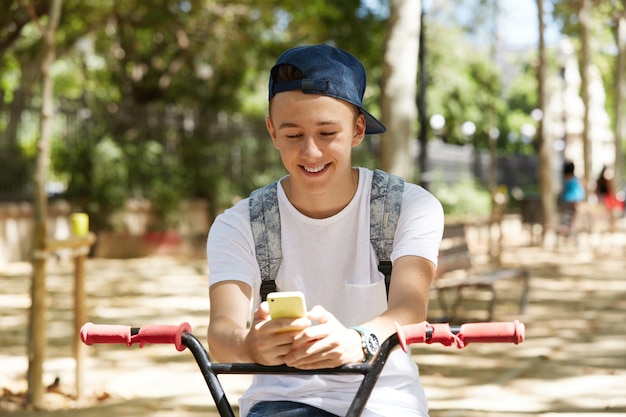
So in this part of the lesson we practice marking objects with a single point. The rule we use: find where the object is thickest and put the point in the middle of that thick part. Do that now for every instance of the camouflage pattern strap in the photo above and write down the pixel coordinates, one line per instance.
(265, 222)
(385, 205)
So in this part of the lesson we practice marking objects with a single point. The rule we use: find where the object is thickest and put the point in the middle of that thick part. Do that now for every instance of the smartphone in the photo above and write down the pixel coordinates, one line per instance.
(286, 304)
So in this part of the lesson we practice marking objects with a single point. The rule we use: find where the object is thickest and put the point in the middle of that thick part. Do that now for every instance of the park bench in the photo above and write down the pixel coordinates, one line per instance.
(455, 271)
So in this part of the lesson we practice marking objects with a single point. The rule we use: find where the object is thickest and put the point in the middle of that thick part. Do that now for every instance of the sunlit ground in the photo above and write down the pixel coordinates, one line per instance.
(572, 363)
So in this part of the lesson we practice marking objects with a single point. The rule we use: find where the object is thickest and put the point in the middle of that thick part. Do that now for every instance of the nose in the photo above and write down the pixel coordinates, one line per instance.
(310, 148)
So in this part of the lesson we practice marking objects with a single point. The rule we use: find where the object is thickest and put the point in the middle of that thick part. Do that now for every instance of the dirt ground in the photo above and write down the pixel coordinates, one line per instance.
(572, 363)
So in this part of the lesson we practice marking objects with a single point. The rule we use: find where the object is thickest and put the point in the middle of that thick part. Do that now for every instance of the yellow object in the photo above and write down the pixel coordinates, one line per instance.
(80, 224)
(286, 304)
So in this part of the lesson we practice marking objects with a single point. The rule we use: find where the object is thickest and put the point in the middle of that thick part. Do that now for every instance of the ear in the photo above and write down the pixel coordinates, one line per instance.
(359, 131)
(270, 129)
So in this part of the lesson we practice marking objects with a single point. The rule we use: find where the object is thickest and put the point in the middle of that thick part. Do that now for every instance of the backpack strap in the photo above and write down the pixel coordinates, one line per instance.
(385, 205)
(265, 222)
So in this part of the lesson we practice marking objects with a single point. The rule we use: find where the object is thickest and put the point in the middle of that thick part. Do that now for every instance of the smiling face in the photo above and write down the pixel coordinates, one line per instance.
(315, 135)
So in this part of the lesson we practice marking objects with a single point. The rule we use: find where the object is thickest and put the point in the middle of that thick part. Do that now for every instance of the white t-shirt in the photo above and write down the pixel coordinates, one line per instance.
(333, 263)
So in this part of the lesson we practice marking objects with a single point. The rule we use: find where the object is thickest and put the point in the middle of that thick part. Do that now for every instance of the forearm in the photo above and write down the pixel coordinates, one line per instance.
(229, 316)
(402, 314)
(227, 342)
(408, 296)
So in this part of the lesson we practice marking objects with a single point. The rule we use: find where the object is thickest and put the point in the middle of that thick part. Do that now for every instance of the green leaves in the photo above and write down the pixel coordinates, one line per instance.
(178, 89)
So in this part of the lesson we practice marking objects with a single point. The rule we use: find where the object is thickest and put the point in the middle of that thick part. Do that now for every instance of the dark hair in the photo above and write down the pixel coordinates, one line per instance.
(286, 72)
(568, 167)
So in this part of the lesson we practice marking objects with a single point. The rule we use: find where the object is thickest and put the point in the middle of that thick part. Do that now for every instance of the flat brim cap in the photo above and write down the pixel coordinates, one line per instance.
(327, 71)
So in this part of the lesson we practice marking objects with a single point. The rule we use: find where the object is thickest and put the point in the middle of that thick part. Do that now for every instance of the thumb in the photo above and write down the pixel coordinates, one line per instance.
(262, 312)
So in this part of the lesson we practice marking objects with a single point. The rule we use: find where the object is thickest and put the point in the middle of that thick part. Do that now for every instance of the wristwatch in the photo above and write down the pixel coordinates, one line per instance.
(369, 343)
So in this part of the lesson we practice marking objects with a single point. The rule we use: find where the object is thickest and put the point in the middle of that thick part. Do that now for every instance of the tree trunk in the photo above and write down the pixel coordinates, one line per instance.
(584, 15)
(546, 153)
(495, 248)
(37, 325)
(399, 110)
(425, 175)
(620, 93)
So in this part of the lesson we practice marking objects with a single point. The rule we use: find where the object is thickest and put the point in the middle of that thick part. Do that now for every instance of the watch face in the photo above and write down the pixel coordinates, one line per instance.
(372, 343)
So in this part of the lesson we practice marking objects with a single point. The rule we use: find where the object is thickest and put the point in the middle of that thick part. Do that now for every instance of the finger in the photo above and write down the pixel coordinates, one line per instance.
(293, 326)
(320, 314)
(310, 348)
(269, 347)
(312, 359)
(309, 335)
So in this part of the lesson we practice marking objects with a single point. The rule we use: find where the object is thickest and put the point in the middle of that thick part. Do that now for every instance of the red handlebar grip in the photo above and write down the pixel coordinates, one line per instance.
(412, 333)
(109, 333)
(505, 332)
(104, 333)
(162, 334)
(425, 332)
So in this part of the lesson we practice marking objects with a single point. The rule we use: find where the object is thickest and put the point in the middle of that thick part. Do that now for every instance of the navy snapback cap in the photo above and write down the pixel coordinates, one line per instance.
(327, 71)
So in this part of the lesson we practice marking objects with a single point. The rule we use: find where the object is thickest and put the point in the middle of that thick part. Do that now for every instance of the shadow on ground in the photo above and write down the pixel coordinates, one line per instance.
(572, 362)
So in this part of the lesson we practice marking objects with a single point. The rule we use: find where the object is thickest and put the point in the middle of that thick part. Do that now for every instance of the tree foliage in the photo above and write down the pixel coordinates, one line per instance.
(463, 82)
(176, 89)
(166, 100)
(566, 14)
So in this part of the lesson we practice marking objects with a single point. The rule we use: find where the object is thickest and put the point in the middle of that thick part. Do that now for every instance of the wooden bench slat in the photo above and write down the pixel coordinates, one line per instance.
(455, 256)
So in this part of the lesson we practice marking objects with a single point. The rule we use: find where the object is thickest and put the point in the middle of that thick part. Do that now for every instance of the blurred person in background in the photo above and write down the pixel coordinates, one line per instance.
(572, 196)
(605, 191)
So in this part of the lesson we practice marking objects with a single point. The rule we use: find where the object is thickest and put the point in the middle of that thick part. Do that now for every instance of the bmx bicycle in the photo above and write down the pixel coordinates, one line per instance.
(181, 337)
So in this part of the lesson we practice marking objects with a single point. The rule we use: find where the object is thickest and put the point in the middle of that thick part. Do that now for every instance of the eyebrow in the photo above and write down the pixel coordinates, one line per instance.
(322, 123)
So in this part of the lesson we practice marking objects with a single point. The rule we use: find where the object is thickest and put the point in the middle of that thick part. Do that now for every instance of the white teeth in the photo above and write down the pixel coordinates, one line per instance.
(315, 169)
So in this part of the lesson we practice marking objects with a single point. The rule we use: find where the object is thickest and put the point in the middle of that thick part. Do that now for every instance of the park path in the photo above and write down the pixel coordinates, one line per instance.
(572, 363)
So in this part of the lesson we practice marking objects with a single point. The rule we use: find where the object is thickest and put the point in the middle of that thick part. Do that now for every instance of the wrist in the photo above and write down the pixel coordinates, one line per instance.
(369, 343)
(360, 358)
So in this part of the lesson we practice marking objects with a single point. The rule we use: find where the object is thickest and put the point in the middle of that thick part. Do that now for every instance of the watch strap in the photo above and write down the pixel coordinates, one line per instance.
(365, 334)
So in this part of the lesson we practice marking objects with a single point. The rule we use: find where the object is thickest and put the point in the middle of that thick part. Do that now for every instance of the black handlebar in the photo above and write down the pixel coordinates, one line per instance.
(181, 337)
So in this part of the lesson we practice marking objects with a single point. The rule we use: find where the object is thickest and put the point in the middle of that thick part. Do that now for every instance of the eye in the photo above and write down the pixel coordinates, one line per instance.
(328, 134)
(292, 133)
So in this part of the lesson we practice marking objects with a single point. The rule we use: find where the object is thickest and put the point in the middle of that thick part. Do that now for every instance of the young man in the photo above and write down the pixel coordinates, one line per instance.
(315, 120)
